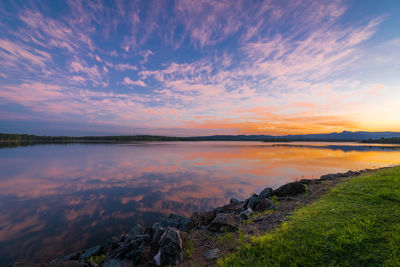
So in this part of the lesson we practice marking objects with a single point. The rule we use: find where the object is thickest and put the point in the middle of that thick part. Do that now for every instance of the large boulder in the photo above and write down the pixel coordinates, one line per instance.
(169, 248)
(224, 222)
(202, 218)
(290, 189)
(265, 204)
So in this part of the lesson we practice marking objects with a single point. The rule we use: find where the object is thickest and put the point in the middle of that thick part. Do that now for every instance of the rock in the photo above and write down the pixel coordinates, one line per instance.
(234, 201)
(234, 208)
(202, 218)
(90, 252)
(329, 177)
(170, 248)
(252, 201)
(179, 222)
(212, 254)
(218, 210)
(265, 204)
(290, 189)
(136, 230)
(112, 243)
(117, 263)
(130, 249)
(307, 181)
(202, 227)
(334, 176)
(352, 173)
(266, 193)
(155, 243)
(224, 222)
(245, 215)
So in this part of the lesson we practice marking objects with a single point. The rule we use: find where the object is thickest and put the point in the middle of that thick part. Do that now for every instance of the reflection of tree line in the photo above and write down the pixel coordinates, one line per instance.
(343, 148)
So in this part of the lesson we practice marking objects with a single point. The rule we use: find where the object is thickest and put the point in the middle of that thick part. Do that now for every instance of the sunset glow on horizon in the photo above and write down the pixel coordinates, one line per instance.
(184, 68)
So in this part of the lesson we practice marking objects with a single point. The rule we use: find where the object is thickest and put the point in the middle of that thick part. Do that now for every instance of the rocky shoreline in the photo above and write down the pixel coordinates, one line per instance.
(205, 236)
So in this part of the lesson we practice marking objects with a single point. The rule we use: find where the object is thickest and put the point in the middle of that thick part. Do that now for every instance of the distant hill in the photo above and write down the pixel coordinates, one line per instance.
(342, 136)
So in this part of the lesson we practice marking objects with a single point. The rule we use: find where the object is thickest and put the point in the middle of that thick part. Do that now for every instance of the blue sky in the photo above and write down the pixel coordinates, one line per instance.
(199, 67)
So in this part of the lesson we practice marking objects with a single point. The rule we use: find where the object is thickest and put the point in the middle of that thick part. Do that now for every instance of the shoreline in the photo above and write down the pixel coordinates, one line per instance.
(204, 237)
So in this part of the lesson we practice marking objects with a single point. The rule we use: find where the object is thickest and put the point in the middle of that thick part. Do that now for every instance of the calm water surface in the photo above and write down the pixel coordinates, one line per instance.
(55, 199)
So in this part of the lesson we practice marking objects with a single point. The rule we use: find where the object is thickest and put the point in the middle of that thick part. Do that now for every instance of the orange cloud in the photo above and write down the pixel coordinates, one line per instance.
(280, 124)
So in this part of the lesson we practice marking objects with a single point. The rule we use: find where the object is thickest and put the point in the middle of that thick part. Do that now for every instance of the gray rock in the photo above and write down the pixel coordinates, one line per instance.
(266, 193)
(170, 248)
(265, 204)
(224, 222)
(245, 215)
(252, 201)
(290, 189)
(155, 243)
(212, 254)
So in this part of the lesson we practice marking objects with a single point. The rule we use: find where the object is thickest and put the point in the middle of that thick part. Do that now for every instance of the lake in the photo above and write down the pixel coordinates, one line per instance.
(55, 199)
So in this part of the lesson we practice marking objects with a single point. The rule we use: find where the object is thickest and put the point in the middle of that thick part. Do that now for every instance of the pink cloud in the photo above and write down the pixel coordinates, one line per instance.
(128, 81)
(12, 53)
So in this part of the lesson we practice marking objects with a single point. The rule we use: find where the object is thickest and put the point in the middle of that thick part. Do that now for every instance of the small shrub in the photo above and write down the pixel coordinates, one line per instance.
(98, 259)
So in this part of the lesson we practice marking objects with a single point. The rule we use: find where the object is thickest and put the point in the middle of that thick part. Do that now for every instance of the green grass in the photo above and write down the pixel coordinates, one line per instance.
(98, 259)
(188, 248)
(357, 223)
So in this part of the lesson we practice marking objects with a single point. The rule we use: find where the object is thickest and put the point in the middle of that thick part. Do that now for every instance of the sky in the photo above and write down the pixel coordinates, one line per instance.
(184, 68)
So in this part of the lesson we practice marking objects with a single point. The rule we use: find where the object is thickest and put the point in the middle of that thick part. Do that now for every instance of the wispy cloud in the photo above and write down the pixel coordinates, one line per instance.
(128, 81)
(213, 65)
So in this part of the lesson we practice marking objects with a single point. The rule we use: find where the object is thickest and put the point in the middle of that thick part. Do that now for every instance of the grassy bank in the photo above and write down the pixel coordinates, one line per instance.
(357, 223)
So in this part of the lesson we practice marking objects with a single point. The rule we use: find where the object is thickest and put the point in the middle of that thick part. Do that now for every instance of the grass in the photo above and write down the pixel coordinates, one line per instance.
(226, 238)
(357, 223)
(188, 248)
(98, 259)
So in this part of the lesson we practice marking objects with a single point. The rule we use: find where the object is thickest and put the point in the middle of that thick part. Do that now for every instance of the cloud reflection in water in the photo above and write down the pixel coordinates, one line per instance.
(57, 199)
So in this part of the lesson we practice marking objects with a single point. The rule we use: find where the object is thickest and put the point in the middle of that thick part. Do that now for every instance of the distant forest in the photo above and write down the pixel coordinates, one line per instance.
(21, 139)
(8, 140)
(392, 140)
